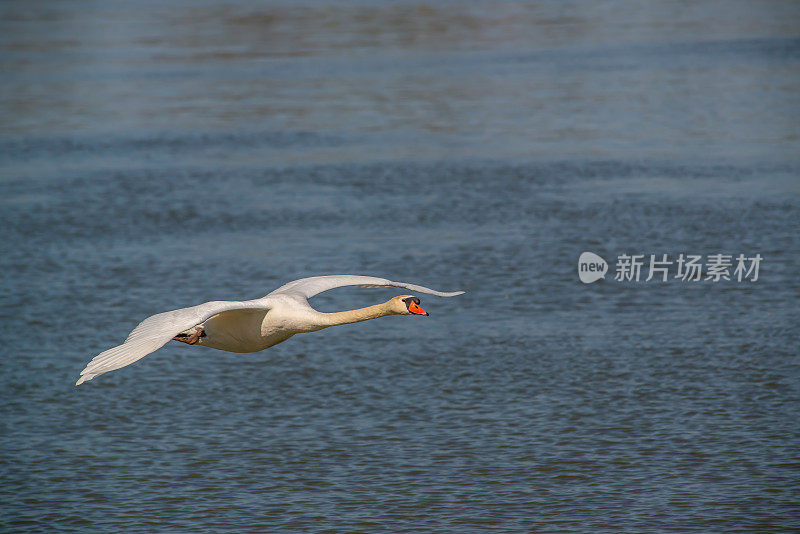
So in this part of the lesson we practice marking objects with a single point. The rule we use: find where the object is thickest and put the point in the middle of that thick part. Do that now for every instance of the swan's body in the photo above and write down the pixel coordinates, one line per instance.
(253, 325)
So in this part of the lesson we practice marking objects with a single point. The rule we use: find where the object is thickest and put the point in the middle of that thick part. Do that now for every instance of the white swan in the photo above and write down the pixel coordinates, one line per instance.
(253, 325)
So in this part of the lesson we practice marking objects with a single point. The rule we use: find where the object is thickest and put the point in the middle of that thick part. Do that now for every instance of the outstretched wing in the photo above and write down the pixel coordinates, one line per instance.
(154, 332)
(308, 287)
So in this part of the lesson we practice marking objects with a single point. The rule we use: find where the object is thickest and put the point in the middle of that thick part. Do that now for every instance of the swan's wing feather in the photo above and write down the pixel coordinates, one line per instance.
(308, 287)
(155, 331)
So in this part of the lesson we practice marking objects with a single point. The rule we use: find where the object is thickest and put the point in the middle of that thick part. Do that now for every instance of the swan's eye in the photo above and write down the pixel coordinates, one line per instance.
(410, 300)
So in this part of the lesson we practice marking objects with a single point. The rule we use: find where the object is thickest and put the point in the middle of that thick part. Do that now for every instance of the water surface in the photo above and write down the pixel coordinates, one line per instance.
(156, 157)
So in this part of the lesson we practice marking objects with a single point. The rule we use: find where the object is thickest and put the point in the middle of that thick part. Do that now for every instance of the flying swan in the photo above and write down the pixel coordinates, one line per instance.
(253, 325)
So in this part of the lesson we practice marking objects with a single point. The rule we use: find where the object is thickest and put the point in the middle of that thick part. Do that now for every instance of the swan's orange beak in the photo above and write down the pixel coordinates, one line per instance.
(414, 308)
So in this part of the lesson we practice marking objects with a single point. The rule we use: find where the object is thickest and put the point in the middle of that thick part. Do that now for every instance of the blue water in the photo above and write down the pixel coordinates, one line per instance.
(154, 157)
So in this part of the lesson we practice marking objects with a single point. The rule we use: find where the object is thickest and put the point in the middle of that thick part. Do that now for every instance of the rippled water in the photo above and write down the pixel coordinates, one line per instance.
(156, 157)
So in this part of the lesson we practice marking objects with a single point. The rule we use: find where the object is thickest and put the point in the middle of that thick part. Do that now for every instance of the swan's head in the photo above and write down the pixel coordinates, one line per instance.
(407, 305)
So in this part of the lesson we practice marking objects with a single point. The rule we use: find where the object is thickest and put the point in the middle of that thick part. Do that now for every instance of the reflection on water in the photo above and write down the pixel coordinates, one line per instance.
(154, 157)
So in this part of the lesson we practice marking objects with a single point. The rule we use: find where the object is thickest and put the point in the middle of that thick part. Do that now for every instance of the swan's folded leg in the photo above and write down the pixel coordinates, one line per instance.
(191, 336)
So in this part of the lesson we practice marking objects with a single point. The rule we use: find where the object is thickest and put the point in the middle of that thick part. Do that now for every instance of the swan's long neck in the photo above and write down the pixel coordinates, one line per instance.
(356, 316)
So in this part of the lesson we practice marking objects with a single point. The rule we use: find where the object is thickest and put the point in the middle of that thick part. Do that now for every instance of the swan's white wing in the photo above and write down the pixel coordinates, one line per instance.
(308, 287)
(154, 332)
